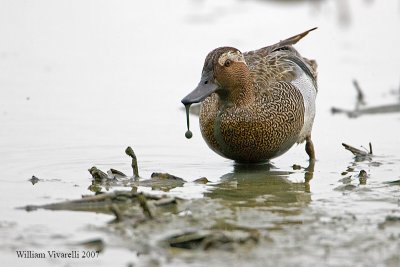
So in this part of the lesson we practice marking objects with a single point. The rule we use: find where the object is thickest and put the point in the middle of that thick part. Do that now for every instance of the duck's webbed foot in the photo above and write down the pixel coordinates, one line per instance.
(310, 148)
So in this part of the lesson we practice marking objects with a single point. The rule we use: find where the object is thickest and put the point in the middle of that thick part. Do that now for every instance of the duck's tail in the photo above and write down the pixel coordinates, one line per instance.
(294, 39)
(310, 66)
(286, 46)
(281, 45)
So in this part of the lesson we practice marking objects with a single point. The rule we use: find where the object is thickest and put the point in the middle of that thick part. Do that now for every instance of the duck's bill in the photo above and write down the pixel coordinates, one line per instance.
(205, 88)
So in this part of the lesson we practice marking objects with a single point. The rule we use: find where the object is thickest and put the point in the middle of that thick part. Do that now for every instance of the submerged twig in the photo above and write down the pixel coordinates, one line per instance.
(97, 174)
(101, 202)
(360, 101)
(143, 203)
(358, 152)
(372, 110)
(360, 95)
(115, 210)
(129, 151)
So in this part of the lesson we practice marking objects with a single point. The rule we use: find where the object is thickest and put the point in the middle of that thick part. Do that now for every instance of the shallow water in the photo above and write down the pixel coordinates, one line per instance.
(79, 83)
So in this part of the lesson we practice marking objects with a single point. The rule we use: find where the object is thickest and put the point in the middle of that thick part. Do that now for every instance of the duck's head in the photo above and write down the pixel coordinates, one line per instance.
(225, 72)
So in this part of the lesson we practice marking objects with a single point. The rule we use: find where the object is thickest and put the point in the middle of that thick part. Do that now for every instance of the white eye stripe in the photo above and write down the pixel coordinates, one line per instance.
(235, 56)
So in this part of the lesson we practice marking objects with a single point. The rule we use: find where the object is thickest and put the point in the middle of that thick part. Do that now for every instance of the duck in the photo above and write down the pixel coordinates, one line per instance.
(256, 105)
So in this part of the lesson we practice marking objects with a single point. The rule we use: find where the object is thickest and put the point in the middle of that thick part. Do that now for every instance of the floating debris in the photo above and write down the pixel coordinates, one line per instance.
(296, 167)
(162, 181)
(396, 182)
(362, 176)
(372, 110)
(189, 240)
(202, 180)
(357, 152)
(115, 174)
(167, 176)
(97, 174)
(34, 180)
(390, 220)
(129, 151)
(95, 244)
(390, 108)
(101, 202)
(360, 95)
(112, 175)
(95, 187)
(207, 239)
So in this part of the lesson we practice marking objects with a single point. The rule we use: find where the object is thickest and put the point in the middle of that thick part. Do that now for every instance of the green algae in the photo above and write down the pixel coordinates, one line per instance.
(188, 133)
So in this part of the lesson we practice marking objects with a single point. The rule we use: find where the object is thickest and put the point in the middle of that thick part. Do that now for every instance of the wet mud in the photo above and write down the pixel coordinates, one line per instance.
(252, 211)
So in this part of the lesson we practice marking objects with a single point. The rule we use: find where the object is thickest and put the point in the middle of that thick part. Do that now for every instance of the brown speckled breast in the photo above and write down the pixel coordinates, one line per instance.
(262, 130)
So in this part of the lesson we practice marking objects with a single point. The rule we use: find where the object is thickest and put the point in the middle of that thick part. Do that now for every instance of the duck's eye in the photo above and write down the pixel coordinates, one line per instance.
(227, 63)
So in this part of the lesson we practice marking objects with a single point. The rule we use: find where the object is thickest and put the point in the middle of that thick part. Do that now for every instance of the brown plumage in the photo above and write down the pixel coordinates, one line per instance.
(256, 105)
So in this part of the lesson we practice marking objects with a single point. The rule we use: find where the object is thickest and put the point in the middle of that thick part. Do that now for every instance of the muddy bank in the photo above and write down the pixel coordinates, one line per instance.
(251, 215)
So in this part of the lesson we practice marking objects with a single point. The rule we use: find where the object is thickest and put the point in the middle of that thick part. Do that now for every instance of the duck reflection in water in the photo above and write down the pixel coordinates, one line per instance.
(264, 186)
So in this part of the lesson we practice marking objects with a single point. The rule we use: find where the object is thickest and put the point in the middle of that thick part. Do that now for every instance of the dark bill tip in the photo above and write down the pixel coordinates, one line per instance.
(203, 89)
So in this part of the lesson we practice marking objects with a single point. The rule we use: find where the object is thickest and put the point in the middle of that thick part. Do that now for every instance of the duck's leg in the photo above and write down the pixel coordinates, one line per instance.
(309, 174)
(310, 148)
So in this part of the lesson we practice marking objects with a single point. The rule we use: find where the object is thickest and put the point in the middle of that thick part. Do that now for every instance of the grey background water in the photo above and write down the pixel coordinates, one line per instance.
(81, 80)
